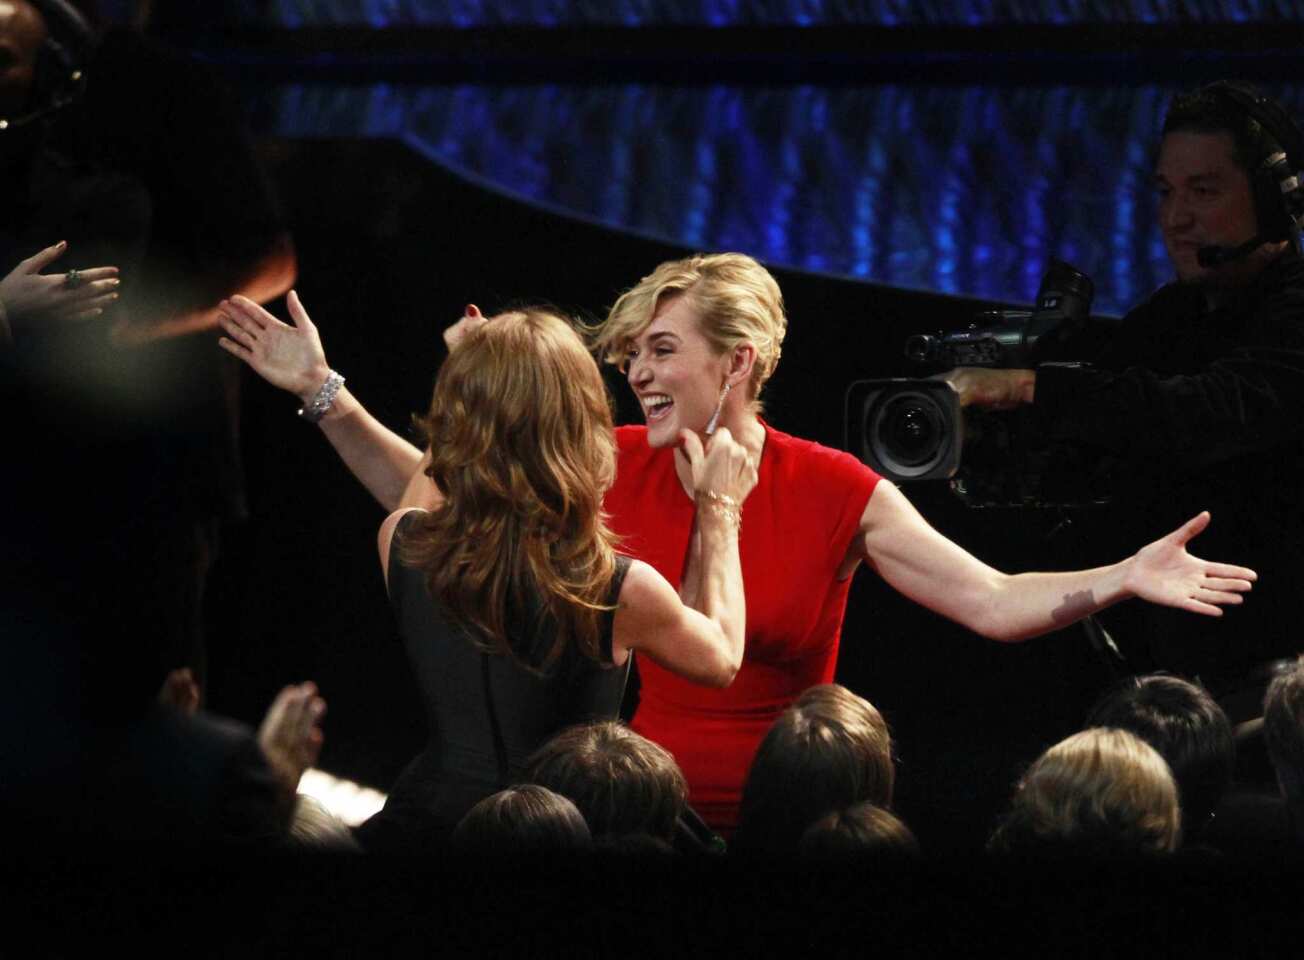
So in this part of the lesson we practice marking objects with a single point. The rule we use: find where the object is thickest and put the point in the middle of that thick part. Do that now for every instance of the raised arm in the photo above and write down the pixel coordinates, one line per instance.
(704, 645)
(931, 570)
(292, 358)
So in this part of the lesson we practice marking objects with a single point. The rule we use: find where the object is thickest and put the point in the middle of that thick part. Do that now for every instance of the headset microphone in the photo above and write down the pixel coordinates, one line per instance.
(1210, 257)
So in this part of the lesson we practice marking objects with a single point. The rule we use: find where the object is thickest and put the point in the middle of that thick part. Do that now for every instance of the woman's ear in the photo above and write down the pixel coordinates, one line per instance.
(741, 362)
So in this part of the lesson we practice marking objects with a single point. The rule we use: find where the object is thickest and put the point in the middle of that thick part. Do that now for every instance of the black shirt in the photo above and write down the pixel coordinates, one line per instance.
(1200, 406)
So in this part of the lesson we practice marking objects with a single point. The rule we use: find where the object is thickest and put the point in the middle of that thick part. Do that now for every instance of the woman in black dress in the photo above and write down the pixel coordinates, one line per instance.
(518, 615)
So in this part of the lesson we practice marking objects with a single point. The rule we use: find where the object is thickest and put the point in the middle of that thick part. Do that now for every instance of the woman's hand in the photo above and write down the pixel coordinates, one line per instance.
(289, 357)
(26, 294)
(724, 467)
(472, 319)
(1165, 573)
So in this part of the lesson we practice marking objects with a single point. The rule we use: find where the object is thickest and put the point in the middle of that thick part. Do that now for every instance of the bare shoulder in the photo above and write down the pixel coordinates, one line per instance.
(647, 604)
(646, 599)
(885, 504)
(386, 536)
(643, 586)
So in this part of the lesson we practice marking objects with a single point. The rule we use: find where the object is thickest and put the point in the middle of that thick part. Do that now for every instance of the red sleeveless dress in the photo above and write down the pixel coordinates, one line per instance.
(797, 526)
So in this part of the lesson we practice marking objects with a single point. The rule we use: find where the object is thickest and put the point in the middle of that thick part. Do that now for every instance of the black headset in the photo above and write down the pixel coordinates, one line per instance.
(59, 77)
(1278, 193)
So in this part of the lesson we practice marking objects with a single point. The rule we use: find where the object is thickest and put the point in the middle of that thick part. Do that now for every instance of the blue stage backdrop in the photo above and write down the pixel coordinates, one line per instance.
(962, 190)
(724, 13)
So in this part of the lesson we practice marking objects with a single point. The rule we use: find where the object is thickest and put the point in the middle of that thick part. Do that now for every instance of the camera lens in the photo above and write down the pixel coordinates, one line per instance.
(907, 433)
(910, 432)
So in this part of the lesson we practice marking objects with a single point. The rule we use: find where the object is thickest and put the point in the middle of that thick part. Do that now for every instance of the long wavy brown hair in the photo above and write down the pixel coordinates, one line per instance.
(523, 450)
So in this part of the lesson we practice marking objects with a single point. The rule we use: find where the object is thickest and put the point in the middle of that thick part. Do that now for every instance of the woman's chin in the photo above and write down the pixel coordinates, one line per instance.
(663, 432)
(661, 438)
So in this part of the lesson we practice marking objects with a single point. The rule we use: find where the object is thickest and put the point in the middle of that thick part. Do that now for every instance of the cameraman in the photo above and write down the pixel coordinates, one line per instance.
(1199, 398)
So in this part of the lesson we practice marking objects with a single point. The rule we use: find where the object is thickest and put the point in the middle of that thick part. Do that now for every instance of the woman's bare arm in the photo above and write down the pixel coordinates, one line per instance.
(292, 358)
(931, 570)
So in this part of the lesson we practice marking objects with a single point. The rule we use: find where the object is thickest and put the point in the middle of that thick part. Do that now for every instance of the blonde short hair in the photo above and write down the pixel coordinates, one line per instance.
(1100, 792)
(735, 298)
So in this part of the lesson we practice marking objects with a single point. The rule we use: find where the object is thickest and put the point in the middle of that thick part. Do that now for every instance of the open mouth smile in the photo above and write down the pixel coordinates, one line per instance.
(656, 406)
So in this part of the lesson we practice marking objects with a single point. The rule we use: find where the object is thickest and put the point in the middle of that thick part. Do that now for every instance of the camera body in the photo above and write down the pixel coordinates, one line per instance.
(914, 429)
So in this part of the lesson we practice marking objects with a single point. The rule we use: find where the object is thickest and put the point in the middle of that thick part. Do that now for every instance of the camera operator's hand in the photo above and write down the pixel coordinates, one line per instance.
(994, 389)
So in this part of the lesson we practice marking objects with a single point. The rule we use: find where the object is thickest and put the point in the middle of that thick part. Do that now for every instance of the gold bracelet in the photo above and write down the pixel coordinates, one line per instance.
(721, 498)
(722, 505)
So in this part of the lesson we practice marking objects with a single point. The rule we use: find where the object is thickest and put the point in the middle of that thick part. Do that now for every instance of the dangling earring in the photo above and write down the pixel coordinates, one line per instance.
(715, 417)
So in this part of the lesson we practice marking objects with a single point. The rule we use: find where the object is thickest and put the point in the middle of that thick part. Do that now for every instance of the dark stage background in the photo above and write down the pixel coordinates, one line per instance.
(897, 178)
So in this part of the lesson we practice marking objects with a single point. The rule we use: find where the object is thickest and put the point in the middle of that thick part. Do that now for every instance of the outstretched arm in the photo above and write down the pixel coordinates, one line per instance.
(292, 358)
(931, 570)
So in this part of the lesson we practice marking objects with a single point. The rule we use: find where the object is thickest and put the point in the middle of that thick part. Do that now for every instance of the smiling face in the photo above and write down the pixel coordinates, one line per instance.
(675, 372)
(1205, 199)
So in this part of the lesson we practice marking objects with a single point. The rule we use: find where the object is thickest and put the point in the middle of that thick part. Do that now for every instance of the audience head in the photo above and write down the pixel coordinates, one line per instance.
(523, 451)
(1283, 731)
(525, 819)
(858, 833)
(313, 828)
(1101, 792)
(1190, 731)
(23, 32)
(831, 749)
(621, 782)
(734, 298)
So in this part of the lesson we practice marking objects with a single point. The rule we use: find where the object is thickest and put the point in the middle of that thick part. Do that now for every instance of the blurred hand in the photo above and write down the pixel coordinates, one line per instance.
(27, 295)
(290, 735)
(289, 357)
(180, 691)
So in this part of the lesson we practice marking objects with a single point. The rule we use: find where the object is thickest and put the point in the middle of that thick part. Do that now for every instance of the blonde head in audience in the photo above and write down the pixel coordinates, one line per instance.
(1102, 792)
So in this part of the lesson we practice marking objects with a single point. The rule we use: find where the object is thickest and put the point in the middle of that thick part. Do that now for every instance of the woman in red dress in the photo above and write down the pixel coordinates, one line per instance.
(698, 338)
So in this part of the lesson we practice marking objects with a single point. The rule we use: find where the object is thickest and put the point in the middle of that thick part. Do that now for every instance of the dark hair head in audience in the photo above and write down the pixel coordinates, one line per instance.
(523, 820)
(1283, 732)
(830, 750)
(622, 783)
(1101, 793)
(858, 835)
(1190, 731)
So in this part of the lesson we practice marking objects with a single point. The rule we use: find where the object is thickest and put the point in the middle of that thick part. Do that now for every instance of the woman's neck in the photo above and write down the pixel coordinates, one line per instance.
(745, 427)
